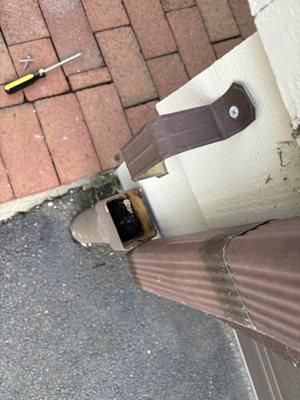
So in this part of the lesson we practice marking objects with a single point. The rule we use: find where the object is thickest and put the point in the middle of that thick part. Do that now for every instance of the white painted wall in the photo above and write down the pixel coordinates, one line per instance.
(224, 184)
(257, 5)
(278, 24)
(170, 198)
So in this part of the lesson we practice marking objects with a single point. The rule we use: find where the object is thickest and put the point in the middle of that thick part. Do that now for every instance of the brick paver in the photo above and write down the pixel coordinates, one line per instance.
(134, 52)
(224, 47)
(43, 55)
(7, 71)
(21, 21)
(168, 74)
(71, 33)
(6, 193)
(243, 17)
(105, 14)
(151, 27)
(67, 137)
(90, 78)
(140, 115)
(127, 66)
(7, 100)
(24, 151)
(193, 43)
(106, 121)
(170, 5)
(218, 19)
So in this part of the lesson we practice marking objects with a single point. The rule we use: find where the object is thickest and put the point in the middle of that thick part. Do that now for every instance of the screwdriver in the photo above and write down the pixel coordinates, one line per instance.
(28, 79)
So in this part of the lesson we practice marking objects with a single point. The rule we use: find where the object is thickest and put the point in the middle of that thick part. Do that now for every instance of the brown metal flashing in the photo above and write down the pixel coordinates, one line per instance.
(248, 276)
(171, 134)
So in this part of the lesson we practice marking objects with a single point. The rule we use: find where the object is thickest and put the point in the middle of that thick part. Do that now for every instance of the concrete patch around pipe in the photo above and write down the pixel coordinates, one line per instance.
(8, 210)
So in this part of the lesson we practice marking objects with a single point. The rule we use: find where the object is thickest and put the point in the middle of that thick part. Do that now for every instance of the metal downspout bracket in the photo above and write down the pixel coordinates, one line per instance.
(171, 134)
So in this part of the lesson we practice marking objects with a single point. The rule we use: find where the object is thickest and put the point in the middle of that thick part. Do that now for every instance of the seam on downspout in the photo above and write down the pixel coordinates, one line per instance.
(248, 317)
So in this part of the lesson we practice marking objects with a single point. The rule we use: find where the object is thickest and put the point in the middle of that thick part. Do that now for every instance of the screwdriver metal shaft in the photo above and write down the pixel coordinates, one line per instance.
(66, 60)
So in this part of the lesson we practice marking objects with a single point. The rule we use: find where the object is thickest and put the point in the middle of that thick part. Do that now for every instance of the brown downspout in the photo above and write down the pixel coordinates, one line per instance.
(247, 276)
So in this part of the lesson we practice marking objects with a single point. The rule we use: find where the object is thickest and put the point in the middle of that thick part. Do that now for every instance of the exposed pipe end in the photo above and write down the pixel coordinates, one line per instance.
(83, 228)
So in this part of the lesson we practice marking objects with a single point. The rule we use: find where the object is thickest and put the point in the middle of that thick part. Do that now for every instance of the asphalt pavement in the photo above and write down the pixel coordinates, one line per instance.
(74, 325)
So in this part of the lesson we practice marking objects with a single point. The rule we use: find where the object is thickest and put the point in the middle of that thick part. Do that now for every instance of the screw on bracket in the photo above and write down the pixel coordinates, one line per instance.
(234, 112)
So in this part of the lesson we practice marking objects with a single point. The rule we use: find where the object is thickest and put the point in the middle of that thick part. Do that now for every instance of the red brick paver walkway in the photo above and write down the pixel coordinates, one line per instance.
(135, 52)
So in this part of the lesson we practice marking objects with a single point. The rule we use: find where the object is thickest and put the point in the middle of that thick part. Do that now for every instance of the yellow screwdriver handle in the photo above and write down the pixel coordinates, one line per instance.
(24, 81)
